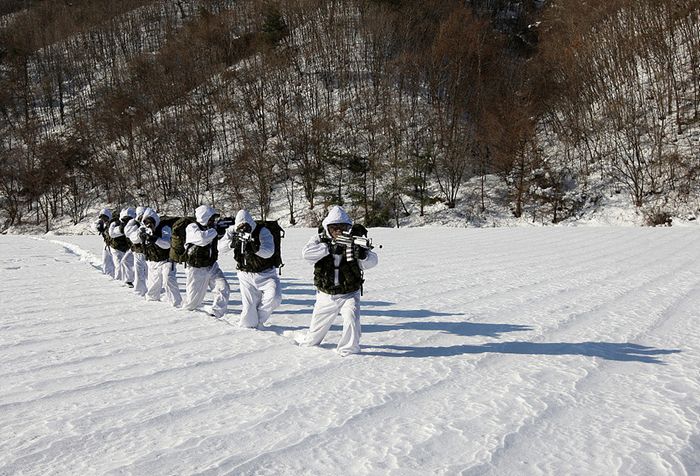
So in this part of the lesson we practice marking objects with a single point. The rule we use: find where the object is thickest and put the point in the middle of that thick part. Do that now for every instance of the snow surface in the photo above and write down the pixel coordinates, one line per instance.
(485, 351)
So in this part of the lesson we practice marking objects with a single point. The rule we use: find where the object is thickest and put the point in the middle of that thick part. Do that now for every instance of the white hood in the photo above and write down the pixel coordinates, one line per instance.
(203, 213)
(127, 212)
(106, 212)
(244, 217)
(152, 214)
(139, 211)
(336, 215)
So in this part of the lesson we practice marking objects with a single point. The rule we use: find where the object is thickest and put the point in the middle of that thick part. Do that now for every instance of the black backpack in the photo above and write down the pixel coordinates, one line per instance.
(178, 253)
(277, 234)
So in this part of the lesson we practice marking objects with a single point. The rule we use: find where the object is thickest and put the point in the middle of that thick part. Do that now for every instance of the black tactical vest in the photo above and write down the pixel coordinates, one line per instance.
(121, 243)
(154, 252)
(105, 234)
(250, 262)
(136, 247)
(349, 275)
(202, 256)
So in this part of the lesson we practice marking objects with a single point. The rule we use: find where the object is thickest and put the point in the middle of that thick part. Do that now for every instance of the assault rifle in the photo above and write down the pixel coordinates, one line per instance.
(243, 237)
(351, 241)
(224, 222)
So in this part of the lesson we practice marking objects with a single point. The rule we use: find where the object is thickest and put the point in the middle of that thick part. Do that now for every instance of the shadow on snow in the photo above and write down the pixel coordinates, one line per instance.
(619, 351)
(308, 304)
(456, 328)
(616, 351)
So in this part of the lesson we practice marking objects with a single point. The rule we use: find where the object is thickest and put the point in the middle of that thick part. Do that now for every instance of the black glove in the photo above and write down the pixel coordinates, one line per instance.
(143, 234)
(359, 252)
(323, 238)
(100, 226)
(220, 230)
(147, 236)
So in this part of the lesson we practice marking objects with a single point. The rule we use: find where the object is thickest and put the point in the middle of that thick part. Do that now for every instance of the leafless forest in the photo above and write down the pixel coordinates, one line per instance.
(368, 103)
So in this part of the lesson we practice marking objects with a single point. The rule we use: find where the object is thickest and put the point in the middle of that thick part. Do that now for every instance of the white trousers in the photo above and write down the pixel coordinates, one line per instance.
(117, 257)
(326, 309)
(199, 281)
(127, 267)
(261, 293)
(162, 273)
(107, 261)
(140, 274)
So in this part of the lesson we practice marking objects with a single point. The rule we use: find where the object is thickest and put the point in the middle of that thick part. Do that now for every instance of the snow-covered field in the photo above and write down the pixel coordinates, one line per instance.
(485, 351)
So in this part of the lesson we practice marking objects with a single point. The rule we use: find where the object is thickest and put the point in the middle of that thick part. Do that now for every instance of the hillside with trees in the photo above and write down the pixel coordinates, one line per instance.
(385, 106)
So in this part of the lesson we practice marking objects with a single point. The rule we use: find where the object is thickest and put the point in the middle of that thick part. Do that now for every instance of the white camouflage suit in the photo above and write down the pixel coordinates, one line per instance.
(107, 260)
(261, 292)
(162, 273)
(200, 280)
(328, 306)
(123, 260)
(140, 267)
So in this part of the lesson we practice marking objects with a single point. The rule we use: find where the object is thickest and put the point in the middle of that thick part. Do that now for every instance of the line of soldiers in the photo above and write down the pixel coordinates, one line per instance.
(138, 252)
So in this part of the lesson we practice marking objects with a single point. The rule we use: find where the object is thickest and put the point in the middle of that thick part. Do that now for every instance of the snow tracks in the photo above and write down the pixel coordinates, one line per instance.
(506, 351)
